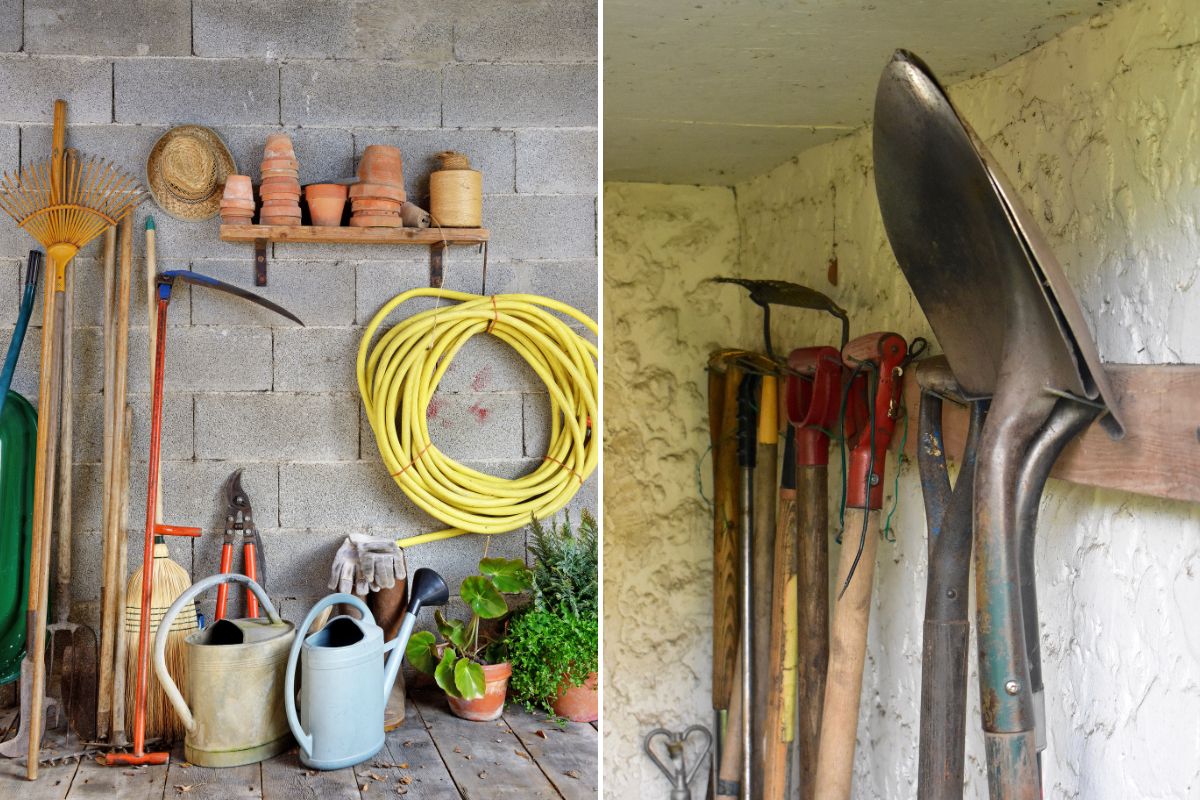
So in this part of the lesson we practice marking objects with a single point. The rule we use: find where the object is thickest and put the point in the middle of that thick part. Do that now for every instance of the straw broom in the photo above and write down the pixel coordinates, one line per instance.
(169, 581)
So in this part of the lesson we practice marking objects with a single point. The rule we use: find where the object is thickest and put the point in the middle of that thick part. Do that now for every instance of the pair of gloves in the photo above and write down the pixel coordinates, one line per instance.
(366, 564)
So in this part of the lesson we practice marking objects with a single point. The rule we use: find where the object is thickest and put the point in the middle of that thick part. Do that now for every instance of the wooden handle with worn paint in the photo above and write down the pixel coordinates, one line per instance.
(847, 654)
(766, 499)
(730, 774)
(812, 511)
(725, 545)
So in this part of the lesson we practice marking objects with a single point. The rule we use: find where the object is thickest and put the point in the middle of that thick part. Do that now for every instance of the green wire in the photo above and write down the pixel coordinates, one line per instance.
(888, 533)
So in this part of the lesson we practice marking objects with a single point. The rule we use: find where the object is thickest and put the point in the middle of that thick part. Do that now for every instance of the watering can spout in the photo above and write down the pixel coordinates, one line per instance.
(428, 589)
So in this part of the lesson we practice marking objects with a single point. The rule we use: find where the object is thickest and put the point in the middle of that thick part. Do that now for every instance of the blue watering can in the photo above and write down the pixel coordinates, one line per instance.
(344, 681)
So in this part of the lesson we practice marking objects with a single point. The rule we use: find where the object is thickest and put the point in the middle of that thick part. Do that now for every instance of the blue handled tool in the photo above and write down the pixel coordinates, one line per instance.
(14, 347)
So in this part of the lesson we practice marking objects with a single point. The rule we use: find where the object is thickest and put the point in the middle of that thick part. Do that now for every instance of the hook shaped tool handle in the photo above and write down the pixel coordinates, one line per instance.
(166, 280)
(884, 354)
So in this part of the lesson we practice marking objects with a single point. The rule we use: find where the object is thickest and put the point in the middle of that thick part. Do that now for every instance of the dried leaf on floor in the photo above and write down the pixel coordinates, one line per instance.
(483, 775)
(540, 732)
(522, 754)
(571, 773)
(406, 780)
(181, 788)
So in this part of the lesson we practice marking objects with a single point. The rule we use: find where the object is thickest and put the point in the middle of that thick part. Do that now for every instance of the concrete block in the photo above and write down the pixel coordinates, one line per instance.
(458, 558)
(360, 494)
(272, 28)
(276, 426)
(479, 426)
(539, 227)
(10, 148)
(31, 85)
(320, 293)
(316, 359)
(346, 93)
(298, 561)
(10, 25)
(488, 364)
(185, 239)
(12, 286)
(520, 95)
(103, 28)
(403, 30)
(540, 31)
(86, 561)
(325, 154)
(192, 495)
(570, 282)
(536, 422)
(557, 161)
(491, 152)
(25, 377)
(198, 359)
(176, 427)
(202, 90)
(377, 283)
(89, 292)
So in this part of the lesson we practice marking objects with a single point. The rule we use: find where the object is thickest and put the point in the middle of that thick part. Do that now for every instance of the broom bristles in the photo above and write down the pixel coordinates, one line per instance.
(169, 581)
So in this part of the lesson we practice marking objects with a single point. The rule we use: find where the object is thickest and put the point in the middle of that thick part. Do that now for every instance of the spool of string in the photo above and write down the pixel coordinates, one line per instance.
(456, 192)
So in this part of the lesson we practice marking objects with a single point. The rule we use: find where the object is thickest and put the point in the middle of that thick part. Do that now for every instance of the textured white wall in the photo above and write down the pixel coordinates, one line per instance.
(1098, 130)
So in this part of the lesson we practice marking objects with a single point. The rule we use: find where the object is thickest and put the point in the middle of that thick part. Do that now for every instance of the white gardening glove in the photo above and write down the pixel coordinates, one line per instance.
(380, 563)
(345, 564)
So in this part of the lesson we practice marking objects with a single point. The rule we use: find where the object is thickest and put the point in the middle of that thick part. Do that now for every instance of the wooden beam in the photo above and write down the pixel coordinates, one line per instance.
(1159, 455)
(347, 235)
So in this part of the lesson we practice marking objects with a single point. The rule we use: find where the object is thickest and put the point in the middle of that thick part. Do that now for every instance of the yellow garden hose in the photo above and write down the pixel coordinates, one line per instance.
(398, 374)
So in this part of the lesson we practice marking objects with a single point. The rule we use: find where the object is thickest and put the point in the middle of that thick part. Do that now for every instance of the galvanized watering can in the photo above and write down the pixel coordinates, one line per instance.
(235, 675)
(344, 681)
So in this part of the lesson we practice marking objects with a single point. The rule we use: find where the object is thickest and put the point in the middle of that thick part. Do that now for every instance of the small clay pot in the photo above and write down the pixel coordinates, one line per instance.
(231, 219)
(293, 197)
(375, 221)
(238, 187)
(578, 703)
(280, 163)
(281, 181)
(491, 705)
(326, 202)
(386, 191)
(375, 204)
(227, 202)
(381, 157)
(279, 145)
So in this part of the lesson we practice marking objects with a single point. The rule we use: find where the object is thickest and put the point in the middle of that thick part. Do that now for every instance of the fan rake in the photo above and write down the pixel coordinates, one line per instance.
(64, 202)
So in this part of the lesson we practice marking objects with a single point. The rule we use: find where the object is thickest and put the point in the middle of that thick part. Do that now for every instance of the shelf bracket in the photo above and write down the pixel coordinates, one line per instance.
(436, 267)
(260, 262)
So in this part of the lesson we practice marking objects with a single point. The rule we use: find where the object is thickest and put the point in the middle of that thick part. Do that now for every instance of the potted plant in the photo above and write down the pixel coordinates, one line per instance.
(554, 643)
(463, 664)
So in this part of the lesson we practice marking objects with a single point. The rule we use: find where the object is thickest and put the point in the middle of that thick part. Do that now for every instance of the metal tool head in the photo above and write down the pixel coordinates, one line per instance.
(768, 293)
(235, 496)
(935, 376)
(166, 280)
(979, 268)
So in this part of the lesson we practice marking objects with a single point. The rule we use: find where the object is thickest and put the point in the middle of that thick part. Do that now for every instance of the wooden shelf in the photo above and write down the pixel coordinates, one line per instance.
(436, 239)
(1159, 455)
(347, 235)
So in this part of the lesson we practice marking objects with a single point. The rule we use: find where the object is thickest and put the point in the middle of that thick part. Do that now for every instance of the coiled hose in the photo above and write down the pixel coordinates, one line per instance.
(398, 374)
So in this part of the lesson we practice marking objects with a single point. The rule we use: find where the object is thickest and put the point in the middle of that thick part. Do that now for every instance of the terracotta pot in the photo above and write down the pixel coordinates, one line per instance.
(279, 145)
(376, 204)
(491, 705)
(326, 202)
(280, 163)
(281, 182)
(386, 191)
(579, 703)
(227, 202)
(375, 221)
(238, 187)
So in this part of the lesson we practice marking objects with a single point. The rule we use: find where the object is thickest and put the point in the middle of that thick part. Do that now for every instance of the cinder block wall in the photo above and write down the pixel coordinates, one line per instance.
(512, 84)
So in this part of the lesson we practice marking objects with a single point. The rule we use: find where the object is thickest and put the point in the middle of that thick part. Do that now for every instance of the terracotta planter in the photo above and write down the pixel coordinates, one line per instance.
(239, 187)
(378, 190)
(326, 202)
(279, 145)
(579, 703)
(491, 705)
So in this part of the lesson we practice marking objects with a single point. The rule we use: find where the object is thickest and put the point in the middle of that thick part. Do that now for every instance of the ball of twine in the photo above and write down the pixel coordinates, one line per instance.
(452, 159)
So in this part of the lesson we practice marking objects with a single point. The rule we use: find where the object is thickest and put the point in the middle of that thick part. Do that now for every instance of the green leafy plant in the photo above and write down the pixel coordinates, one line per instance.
(555, 642)
(456, 663)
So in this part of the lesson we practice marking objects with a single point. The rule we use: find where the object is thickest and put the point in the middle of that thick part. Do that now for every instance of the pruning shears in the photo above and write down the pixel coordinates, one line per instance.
(239, 518)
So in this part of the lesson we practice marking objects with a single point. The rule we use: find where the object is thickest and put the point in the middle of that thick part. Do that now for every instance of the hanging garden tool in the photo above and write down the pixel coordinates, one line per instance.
(1011, 329)
(165, 283)
(880, 357)
(676, 743)
(767, 293)
(812, 401)
(64, 202)
(946, 632)
(239, 518)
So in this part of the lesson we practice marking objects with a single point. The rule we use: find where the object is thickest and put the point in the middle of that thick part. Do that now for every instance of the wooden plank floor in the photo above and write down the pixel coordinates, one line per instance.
(433, 756)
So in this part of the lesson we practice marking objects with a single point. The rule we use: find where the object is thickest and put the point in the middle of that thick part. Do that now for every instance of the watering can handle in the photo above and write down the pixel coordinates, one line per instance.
(303, 738)
(164, 628)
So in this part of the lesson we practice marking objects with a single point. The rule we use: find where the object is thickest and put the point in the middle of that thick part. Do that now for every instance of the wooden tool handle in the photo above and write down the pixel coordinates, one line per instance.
(725, 547)
(847, 653)
(812, 511)
(762, 609)
(779, 729)
(730, 774)
(109, 577)
(58, 150)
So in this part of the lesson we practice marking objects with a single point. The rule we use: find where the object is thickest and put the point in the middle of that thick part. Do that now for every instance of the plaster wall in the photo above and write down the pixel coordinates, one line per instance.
(1097, 129)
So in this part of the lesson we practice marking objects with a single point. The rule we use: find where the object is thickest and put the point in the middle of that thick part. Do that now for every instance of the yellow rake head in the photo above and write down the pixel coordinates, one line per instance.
(67, 210)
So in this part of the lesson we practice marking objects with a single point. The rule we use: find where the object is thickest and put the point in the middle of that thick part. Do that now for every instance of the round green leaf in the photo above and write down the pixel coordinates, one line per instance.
(468, 678)
(454, 630)
(420, 652)
(509, 575)
(483, 597)
(444, 674)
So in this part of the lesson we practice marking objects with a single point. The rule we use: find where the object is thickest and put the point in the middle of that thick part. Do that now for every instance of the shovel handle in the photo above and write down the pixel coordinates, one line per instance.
(164, 630)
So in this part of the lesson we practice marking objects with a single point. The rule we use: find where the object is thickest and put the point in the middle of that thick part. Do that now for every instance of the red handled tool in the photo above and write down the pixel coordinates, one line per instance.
(239, 518)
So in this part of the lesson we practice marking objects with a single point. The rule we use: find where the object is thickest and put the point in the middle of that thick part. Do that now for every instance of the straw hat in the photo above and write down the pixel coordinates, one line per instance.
(186, 172)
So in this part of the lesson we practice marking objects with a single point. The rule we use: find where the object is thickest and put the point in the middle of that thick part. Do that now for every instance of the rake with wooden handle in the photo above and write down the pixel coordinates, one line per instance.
(64, 202)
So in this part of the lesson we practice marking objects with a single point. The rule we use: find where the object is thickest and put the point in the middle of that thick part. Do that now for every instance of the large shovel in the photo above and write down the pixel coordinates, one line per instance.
(1010, 328)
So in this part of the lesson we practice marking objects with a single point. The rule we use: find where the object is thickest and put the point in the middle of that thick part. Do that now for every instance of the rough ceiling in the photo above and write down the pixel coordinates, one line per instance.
(714, 92)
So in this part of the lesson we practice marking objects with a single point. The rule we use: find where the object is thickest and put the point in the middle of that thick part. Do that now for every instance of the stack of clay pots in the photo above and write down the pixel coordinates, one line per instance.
(237, 203)
(376, 199)
(280, 189)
